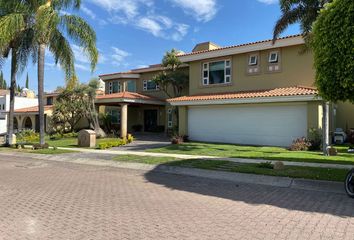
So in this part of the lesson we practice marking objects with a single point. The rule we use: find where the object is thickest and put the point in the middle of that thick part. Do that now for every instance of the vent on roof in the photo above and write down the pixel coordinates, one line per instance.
(205, 46)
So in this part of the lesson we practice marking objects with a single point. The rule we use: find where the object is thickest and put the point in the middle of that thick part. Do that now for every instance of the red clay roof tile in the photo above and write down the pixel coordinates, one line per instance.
(276, 92)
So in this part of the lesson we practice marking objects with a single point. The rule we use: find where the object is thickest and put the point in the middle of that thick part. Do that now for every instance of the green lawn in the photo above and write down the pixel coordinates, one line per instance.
(288, 171)
(270, 153)
(39, 151)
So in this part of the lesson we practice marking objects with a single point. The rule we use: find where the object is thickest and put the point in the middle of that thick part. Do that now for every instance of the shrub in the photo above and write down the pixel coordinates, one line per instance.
(65, 135)
(350, 136)
(27, 136)
(267, 165)
(315, 137)
(300, 144)
(177, 139)
(130, 138)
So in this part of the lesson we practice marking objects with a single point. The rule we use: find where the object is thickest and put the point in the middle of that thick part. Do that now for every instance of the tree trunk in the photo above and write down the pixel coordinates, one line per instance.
(10, 128)
(41, 55)
(325, 127)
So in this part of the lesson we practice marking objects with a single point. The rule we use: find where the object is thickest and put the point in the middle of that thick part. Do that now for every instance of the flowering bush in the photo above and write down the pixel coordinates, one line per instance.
(300, 144)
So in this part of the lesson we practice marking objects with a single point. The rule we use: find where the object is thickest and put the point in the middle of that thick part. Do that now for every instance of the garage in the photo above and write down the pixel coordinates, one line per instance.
(254, 124)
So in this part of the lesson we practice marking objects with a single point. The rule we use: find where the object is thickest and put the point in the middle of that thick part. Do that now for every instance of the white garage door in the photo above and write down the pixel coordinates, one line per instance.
(251, 124)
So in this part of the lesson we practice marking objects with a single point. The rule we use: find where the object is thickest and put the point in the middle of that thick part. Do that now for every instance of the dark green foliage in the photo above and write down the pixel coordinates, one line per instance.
(27, 82)
(332, 44)
(303, 12)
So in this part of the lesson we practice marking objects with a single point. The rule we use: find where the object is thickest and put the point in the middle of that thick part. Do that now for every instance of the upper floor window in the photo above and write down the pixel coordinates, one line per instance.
(218, 72)
(114, 87)
(253, 60)
(131, 86)
(150, 85)
(273, 57)
(49, 100)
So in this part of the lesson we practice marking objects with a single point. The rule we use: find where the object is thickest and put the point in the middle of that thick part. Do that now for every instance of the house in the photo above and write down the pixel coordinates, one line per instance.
(255, 93)
(20, 103)
(135, 102)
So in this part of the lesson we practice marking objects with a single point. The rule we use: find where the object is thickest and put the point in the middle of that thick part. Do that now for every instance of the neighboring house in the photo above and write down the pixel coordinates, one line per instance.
(20, 103)
(256, 93)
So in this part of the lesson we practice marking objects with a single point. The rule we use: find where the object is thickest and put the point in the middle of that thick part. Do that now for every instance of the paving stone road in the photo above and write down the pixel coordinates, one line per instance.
(57, 200)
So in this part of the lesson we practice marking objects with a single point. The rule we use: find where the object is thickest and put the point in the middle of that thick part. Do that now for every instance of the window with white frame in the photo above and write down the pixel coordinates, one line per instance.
(273, 57)
(253, 60)
(150, 85)
(169, 118)
(110, 87)
(218, 72)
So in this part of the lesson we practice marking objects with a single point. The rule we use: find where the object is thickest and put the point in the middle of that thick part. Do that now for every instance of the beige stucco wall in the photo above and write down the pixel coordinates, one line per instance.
(295, 69)
(183, 120)
(344, 115)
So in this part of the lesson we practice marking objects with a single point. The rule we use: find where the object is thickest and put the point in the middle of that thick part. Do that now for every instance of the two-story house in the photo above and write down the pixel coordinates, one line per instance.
(257, 93)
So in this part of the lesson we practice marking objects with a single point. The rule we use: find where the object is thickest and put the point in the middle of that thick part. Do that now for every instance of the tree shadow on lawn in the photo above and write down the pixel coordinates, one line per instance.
(255, 194)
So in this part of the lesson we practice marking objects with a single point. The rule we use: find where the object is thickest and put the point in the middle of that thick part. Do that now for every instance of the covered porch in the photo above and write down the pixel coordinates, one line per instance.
(133, 112)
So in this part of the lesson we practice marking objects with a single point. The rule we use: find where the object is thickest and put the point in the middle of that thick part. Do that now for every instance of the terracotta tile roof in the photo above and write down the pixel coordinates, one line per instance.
(4, 92)
(33, 109)
(128, 95)
(276, 92)
(240, 45)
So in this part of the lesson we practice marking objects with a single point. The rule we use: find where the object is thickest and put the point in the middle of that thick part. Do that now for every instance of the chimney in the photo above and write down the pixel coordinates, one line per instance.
(205, 46)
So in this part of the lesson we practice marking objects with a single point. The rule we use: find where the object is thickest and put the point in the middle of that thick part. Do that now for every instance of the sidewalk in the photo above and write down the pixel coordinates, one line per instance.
(95, 160)
(236, 160)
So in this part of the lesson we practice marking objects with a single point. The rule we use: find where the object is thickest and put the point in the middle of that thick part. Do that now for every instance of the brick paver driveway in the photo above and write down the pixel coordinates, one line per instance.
(52, 200)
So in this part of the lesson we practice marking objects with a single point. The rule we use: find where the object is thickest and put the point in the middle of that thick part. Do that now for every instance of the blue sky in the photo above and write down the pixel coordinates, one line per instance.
(136, 33)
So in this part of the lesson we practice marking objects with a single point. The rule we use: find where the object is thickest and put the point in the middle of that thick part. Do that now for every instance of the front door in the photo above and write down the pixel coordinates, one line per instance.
(150, 120)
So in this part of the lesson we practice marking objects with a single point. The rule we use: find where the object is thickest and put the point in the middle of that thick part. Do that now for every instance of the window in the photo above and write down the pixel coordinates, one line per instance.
(116, 87)
(150, 85)
(169, 118)
(253, 60)
(115, 116)
(273, 57)
(217, 72)
(110, 88)
(49, 100)
(131, 86)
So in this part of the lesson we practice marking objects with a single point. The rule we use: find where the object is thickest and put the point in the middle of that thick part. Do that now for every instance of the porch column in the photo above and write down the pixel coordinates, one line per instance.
(123, 120)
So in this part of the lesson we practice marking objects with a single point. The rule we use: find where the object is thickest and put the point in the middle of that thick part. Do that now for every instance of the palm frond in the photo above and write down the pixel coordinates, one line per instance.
(82, 34)
(288, 18)
(62, 52)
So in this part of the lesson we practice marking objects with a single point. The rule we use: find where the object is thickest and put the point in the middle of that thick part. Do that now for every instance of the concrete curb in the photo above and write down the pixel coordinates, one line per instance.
(285, 182)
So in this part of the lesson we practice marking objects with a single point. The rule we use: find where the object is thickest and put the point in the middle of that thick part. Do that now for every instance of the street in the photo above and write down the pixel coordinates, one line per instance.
(56, 200)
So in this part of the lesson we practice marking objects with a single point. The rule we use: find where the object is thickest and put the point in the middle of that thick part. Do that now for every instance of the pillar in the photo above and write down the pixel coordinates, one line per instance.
(123, 120)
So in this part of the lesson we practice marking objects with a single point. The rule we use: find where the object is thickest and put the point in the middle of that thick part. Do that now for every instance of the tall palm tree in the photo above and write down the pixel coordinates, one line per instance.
(304, 12)
(16, 37)
(51, 27)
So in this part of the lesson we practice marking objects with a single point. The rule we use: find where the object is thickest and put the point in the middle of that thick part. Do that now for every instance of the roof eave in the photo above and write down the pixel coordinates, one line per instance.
(298, 40)
(297, 98)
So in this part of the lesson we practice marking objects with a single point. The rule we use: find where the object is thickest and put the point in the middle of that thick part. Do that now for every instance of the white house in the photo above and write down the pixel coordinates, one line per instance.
(20, 102)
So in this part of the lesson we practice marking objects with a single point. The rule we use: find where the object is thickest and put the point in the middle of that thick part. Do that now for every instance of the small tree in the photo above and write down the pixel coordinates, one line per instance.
(173, 80)
(332, 44)
(27, 81)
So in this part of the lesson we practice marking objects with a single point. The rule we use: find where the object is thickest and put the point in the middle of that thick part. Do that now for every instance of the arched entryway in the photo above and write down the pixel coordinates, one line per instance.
(27, 123)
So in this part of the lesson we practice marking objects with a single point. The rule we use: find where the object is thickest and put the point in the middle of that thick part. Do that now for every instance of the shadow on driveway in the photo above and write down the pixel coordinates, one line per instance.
(286, 198)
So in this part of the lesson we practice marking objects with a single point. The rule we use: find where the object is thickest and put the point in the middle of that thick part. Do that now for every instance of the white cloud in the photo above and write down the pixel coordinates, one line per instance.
(82, 67)
(268, 1)
(79, 54)
(141, 14)
(88, 12)
(202, 10)
(119, 56)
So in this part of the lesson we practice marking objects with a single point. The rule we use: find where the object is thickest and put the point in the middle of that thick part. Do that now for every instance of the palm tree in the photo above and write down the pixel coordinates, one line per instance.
(304, 12)
(51, 27)
(16, 37)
